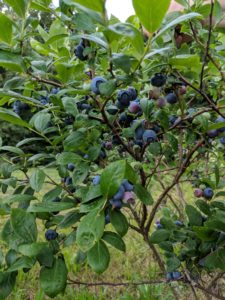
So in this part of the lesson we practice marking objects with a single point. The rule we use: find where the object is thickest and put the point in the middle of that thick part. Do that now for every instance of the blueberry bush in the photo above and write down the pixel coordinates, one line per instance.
(124, 118)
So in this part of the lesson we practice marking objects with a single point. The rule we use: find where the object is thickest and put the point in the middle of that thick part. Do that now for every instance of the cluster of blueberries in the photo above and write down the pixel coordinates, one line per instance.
(207, 193)
(123, 196)
(18, 107)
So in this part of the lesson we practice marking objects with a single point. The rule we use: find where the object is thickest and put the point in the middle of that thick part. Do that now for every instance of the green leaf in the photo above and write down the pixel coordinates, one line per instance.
(114, 240)
(21, 263)
(41, 121)
(106, 89)
(151, 13)
(68, 157)
(144, 196)
(12, 149)
(119, 222)
(32, 250)
(173, 264)
(80, 173)
(7, 283)
(74, 141)
(37, 180)
(97, 5)
(175, 22)
(11, 61)
(186, 60)
(90, 230)
(5, 28)
(70, 219)
(194, 216)
(91, 38)
(203, 206)
(50, 206)
(113, 176)
(159, 236)
(28, 140)
(92, 193)
(24, 225)
(70, 106)
(98, 257)
(215, 260)
(18, 198)
(19, 6)
(11, 117)
(53, 280)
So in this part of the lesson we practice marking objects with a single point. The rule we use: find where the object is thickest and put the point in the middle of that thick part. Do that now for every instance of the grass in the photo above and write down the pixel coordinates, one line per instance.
(137, 264)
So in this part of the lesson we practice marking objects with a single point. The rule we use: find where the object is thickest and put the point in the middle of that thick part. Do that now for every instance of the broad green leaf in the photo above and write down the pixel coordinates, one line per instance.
(92, 193)
(53, 280)
(12, 149)
(90, 230)
(114, 240)
(91, 38)
(98, 257)
(24, 225)
(70, 106)
(194, 216)
(186, 61)
(68, 157)
(28, 141)
(74, 141)
(11, 117)
(144, 195)
(18, 198)
(215, 260)
(173, 264)
(119, 222)
(177, 21)
(19, 6)
(151, 13)
(11, 61)
(41, 121)
(7, 283)
(97, 5)
(21, 263)
(159, 236)
(50, 206)
(5, 28)
(33, 249)
(70, 219)
(37, 180)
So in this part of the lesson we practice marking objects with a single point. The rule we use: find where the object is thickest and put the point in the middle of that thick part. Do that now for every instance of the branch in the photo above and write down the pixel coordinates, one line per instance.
(39, 79)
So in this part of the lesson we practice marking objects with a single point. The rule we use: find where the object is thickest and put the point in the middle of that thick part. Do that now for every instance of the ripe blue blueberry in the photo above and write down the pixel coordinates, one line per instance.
(55, 91)
(79, 52)
(149, 136)
(96, 180)
(51, 235)
(212, 133)
(127, 186)
(176, 275)
(171, 98)
(158, 80)
(161, 102)
(178, 223)
(107, 219)
(70, 167)
(222, 140)
(44, 100)
(208, 193)
(95, 84)
(139, 131)
(158, 226)
(169, 275)
(116, 203)
(133, 92)
(172, 120)
(124, 98)
(134, 107)
(119, 194)
(220, 120)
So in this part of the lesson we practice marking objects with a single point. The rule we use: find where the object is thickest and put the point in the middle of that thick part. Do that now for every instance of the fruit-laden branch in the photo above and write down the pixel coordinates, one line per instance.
(180, 172)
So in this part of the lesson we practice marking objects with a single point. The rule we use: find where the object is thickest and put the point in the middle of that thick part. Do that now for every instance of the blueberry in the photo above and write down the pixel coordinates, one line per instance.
(102, 154)
(55, 91)
(69, 120)
(70, 167)
(51, 234)
(208, 193)
(107, 219)
(220, 120)
(128, 198)
(134, 107)
(149, 136)
(79, 52)
(133, 92)
(85, 106)
(139, 143)
(108, 145)
(115, 140)
(183, 90)
(169, 275)
(158, 80)
(139, 131)
(124, 98)
(68, 180)
(44, 100)
(198, 193)
(119, 195)
(212, 133)
(95, 83)
(172, 120)
(127, 186)
(158, 226)
(125, 120)
(171, 98)
(222, 140)
(176, 275)
(178, 223)
(96, 180)
(116, 203)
